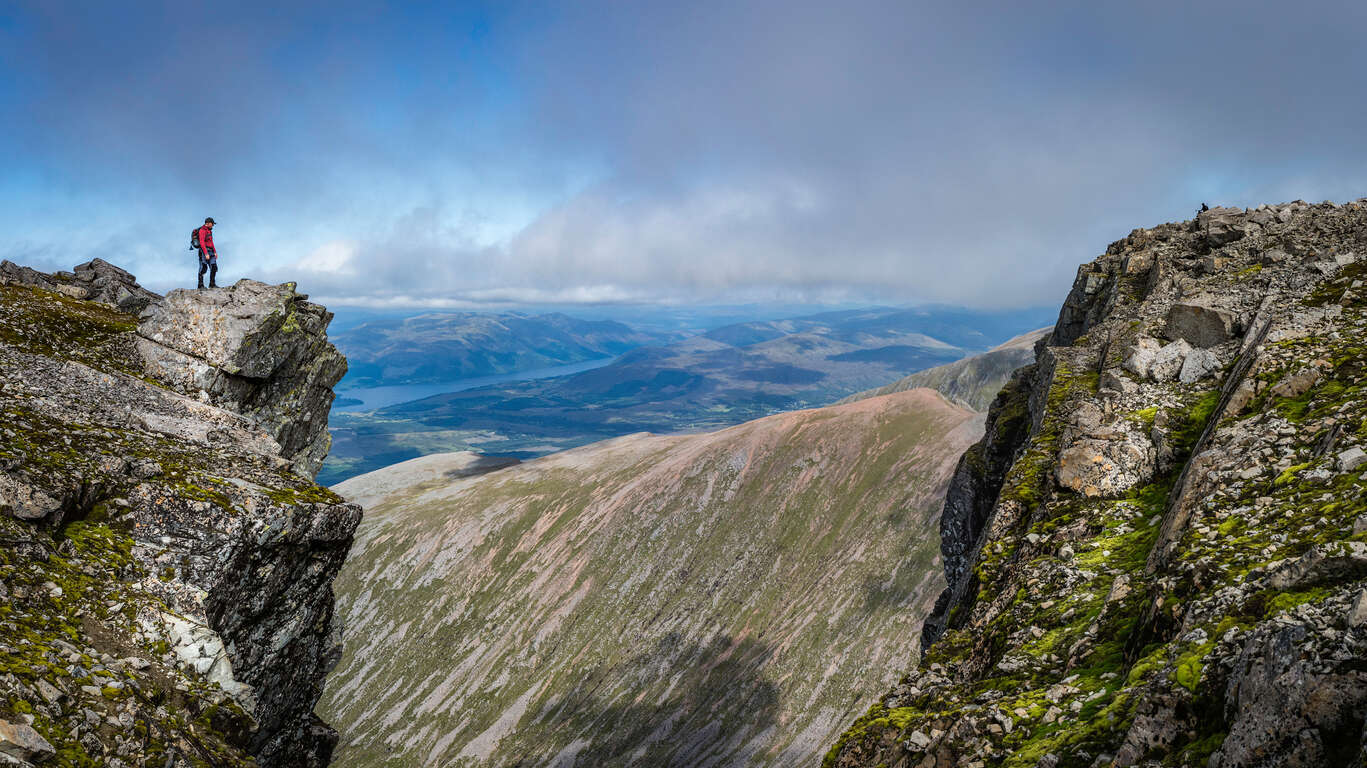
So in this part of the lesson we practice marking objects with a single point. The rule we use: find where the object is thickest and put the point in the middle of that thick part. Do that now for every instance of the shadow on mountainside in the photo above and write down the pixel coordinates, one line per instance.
(707, 712)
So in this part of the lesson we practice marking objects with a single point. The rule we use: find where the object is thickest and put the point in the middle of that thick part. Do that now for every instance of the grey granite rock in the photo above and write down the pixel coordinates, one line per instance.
(1202, 322)
(1223, 225)
(1199, 364)
(21, 741)
(255, 349)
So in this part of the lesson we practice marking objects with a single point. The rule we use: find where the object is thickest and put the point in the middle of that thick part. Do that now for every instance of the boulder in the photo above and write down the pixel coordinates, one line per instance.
(1151, 360)
(22, 500)
(1169, 361)
(1141, 356)
(1115, 382)
(1106, 465)
(1199, 364)
(1357, 611)
(1297, 383)
(1201, 322)
(1223, 225)
(21, 741)
(1351, 459)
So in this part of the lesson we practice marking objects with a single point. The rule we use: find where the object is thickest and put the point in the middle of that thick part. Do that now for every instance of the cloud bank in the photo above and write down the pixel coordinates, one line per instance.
(646, 152)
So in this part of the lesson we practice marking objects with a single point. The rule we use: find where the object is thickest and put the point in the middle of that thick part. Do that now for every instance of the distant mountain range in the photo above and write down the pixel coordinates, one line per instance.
(725, 376)
(445, 346)
(721, 599)
(973, 381)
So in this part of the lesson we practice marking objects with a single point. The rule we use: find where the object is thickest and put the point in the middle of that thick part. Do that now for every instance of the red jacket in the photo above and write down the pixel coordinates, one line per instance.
(206, 241)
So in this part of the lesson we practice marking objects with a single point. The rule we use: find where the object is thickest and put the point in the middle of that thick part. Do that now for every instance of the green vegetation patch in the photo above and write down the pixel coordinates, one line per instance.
(41, 322)
(77, 601)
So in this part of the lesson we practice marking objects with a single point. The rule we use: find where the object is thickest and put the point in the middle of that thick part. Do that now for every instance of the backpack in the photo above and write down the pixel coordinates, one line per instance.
(194, 239)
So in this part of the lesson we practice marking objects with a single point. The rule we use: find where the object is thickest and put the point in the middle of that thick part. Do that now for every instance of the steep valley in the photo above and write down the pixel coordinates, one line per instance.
(720, 599)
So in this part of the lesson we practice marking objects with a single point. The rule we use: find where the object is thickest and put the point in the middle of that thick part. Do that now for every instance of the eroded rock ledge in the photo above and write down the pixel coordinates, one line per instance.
(1158, 553)
(168, 559)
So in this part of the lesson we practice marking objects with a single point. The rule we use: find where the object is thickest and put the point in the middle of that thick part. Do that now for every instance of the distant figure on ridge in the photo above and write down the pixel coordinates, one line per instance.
(202, 239)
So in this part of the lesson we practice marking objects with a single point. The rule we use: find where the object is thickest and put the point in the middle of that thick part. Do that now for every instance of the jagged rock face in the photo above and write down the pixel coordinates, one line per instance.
(168, 570)
(723, 599)
(1172, 567)
(256, 349)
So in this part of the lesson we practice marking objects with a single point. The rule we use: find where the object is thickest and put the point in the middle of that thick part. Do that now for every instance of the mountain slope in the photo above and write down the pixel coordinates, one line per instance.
(972, 381)
(723, 599)
(1157, 555)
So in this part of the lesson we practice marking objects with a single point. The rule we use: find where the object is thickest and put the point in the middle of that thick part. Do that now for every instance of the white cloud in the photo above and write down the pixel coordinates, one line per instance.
(336, 257)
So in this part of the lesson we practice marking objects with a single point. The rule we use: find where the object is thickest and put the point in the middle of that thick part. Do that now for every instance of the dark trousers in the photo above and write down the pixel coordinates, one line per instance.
(210, 263)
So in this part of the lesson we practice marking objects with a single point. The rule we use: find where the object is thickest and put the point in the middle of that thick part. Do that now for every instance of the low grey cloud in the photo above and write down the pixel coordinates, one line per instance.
(609, 152)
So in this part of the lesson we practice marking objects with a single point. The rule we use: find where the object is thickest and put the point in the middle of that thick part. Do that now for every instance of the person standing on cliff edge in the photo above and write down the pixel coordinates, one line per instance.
(208, 256)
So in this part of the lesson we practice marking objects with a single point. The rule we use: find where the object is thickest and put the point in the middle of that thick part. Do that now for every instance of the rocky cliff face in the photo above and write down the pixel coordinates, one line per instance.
(722, 599)
(168, 559)
(1157, 554)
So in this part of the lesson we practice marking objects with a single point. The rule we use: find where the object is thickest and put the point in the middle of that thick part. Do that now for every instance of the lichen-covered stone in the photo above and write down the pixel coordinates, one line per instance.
(1106, 465)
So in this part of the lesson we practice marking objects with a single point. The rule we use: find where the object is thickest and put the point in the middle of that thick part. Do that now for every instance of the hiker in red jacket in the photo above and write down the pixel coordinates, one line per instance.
(208, 257)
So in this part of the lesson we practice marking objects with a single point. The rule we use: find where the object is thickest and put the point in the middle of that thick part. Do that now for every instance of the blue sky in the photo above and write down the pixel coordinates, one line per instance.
(444, 154)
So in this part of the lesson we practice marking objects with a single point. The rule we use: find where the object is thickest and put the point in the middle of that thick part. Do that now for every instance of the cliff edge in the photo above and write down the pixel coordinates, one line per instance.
(1157, 555)
(168, 560)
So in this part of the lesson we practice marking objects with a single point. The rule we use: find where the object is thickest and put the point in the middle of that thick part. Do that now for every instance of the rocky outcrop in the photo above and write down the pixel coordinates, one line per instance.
(1164, 563)
(169, 559)
(255, 349)
(721, 599)
(96, 280)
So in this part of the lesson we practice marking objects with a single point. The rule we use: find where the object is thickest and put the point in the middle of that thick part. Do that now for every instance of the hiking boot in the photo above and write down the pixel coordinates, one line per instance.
(212, 284)
(201, 286)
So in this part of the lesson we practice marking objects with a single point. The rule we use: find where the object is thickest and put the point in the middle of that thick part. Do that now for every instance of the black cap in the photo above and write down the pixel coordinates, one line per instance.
(210, 220)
